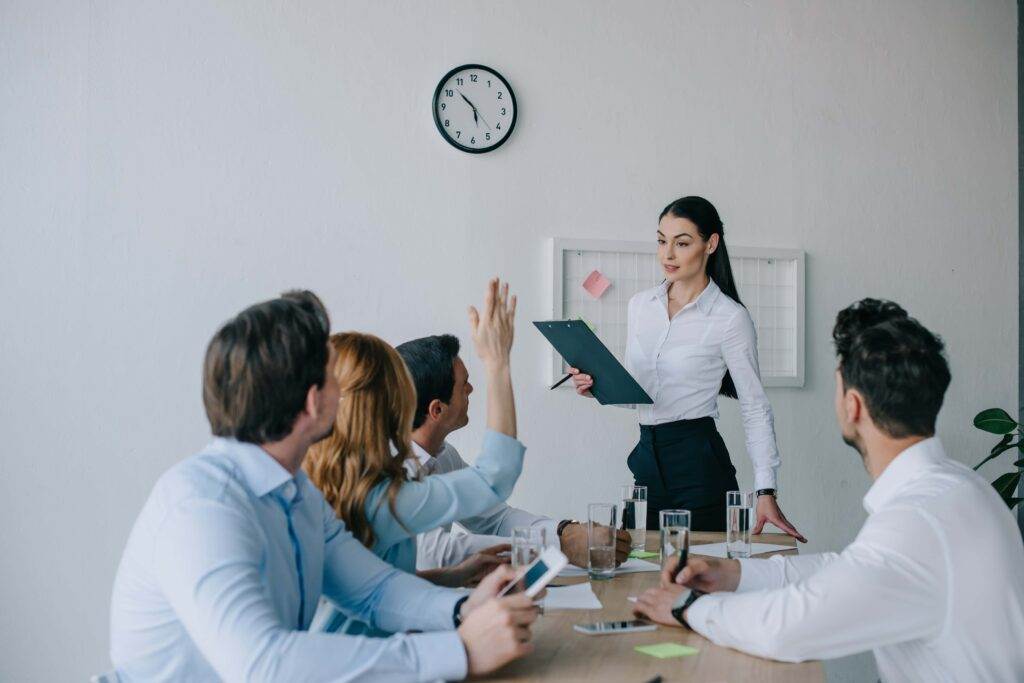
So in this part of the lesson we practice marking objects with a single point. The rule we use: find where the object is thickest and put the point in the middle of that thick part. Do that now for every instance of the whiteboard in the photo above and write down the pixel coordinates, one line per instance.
(770, 284)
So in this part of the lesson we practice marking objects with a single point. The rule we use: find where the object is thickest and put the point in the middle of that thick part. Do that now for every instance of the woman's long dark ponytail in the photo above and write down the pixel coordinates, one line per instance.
(704, 215)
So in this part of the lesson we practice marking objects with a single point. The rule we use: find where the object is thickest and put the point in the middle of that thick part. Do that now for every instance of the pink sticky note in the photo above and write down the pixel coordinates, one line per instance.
(596, 284)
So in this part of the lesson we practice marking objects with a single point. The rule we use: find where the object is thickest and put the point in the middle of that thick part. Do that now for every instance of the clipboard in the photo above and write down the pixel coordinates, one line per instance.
(580, 348)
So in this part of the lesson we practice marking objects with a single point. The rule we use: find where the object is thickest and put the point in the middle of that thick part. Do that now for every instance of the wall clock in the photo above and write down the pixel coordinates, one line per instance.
(474, 108)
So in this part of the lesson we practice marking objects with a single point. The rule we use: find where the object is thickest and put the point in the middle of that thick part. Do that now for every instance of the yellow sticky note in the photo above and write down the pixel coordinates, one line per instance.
(666, 650)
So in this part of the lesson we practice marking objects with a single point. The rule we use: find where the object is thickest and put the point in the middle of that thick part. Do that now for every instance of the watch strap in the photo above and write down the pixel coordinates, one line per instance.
(564, 523)
(677, 612)
(764, 492)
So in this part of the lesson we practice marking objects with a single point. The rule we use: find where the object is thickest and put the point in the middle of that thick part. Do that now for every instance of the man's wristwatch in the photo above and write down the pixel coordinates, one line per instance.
(457, 615)
(564, 523)
(764, 492)
(683, 603)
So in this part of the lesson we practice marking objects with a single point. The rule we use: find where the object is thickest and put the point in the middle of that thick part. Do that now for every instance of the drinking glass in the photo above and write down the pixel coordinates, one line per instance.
(528, 543)
(601, 540)
(634, 515)
(739, 513)
(675, 533)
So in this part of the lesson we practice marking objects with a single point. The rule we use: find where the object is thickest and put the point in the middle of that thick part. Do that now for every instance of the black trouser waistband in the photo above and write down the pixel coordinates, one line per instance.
(679, 429)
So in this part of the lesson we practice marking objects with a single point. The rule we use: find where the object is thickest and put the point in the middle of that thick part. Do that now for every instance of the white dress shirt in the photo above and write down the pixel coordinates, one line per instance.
(443, 547)
(933, 584)
(225, 564)
(680, 363)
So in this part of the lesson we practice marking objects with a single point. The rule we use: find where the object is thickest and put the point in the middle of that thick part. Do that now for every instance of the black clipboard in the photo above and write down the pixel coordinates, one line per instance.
(580, 347)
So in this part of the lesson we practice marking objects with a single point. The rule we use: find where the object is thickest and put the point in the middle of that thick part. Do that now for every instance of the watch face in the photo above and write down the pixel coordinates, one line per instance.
(474, 108)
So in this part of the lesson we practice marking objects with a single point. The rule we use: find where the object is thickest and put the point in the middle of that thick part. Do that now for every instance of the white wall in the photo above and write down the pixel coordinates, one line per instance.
(163, 165)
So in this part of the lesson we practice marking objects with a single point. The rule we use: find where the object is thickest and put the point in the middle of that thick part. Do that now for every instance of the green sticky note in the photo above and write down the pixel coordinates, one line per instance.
(643, 554)
(666, 650)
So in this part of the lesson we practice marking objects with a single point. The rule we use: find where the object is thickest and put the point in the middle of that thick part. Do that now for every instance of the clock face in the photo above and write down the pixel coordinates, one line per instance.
(474, 108)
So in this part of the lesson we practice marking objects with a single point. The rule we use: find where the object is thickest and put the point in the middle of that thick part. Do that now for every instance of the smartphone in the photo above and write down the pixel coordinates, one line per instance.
(602, 628)
(538, 573)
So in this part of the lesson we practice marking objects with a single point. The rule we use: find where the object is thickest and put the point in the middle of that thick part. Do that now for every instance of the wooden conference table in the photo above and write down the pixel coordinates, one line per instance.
(562, 654)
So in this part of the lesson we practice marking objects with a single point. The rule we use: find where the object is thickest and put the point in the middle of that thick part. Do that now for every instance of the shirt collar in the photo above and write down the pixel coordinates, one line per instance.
(421, 454)
(261, 473)
(904, 468)
(704, 301)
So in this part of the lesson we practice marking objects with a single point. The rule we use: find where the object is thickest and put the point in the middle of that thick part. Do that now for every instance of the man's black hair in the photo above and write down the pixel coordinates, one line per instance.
(431, 362)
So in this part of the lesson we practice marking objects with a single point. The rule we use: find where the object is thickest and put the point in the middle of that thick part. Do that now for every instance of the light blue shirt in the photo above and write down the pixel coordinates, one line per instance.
(226, 563)
(433, 502)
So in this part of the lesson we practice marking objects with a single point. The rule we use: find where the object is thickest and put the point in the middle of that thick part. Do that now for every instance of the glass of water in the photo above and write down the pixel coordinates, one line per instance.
(634, 515)
(528, 543)
(739, 515)
(601, 540)
(675, 533)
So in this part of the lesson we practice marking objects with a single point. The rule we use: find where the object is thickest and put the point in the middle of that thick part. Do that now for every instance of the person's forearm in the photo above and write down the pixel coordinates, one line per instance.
(501, 406)
(442, 576)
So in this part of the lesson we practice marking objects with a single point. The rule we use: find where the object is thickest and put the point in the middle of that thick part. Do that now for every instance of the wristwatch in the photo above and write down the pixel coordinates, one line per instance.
(457, 614)
(764, 492)
(682, 603)
(564, 523)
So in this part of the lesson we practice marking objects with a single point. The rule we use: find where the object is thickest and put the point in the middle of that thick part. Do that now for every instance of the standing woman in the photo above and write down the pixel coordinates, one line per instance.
(689, 340)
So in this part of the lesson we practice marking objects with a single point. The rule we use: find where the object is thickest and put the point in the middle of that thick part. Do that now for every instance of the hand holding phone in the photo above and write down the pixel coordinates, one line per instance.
(538, 573)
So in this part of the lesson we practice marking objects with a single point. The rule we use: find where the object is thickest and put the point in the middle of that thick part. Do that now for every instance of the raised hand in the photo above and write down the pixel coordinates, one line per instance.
(494, 329)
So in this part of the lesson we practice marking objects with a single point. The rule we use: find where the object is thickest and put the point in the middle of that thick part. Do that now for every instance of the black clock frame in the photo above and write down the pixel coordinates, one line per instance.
(440, 126)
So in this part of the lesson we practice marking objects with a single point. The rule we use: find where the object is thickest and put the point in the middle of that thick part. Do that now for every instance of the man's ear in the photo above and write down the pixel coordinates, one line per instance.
(853, 403)
(312, 407)
(436, 409)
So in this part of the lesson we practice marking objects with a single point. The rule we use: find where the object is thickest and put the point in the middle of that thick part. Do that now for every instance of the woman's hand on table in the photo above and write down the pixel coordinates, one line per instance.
(768, 511)
(582, 382)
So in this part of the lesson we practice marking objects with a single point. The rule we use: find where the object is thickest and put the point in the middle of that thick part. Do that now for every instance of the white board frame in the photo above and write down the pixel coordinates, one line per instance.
(560, 245)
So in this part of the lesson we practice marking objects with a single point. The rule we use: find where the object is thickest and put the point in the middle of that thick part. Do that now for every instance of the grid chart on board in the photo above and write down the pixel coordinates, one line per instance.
(770, 284)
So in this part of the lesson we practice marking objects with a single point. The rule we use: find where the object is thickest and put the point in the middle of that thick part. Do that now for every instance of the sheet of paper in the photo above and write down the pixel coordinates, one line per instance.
(718, 549)
(596, 284)
(628, 567)
(579, 596)
(666, 650)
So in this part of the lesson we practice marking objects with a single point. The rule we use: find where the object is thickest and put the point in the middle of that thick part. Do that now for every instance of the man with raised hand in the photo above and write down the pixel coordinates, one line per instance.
(442, 407)
(234, 546)
(934, 581)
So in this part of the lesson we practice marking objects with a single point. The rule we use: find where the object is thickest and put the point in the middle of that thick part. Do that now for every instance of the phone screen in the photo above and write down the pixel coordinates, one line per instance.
(532, 576)
(611, 626)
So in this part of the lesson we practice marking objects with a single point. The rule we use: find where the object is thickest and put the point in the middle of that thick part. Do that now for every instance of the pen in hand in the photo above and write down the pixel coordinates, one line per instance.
(561, 381)
(681, 555)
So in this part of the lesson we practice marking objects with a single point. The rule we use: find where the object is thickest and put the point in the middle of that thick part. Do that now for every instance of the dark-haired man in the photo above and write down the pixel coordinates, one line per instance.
(233, 548)
(442, 406)
(933, 583)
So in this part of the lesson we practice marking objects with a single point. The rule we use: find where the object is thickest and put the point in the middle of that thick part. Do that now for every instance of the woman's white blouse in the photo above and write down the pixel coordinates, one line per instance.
(680, 363)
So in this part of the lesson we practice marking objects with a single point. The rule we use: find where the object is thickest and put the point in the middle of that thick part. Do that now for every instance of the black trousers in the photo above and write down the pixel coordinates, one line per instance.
(684, 465)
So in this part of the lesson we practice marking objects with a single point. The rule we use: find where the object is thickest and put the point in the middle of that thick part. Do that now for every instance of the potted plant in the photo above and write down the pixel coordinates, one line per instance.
(998, 421)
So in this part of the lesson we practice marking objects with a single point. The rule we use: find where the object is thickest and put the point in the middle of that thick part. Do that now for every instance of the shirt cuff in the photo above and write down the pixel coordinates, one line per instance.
(758, 575)
(698, 613)
(441, 656)
(765, 478)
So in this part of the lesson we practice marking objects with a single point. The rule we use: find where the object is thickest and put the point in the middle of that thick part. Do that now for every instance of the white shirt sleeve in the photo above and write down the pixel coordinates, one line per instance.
(442, 548)
(780, 570)
(739, 349)
(883, 589)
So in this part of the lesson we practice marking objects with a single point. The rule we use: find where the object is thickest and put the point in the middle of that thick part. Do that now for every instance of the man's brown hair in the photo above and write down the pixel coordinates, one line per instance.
(260, 365)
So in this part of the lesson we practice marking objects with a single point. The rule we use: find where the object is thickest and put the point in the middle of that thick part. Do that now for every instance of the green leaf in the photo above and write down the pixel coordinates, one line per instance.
(1006, 486)
(997, 450)
(995, 420)
(1013, 502)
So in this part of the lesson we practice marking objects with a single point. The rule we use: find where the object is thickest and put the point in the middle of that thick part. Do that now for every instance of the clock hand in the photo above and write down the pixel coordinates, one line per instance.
(475, 115)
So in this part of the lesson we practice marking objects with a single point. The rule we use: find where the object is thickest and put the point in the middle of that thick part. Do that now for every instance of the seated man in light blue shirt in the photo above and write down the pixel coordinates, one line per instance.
(234, 547)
